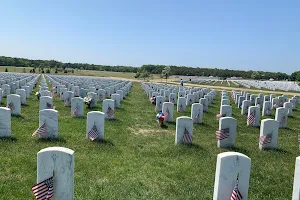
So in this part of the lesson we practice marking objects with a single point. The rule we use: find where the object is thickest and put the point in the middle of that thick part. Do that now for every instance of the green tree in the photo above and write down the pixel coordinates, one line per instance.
(145, 74)
(6, 70)
(24, 70)
(166, 73)
(255, 75)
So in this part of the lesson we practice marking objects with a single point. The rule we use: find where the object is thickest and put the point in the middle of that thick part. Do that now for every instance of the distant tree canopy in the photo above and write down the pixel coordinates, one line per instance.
(151, 69)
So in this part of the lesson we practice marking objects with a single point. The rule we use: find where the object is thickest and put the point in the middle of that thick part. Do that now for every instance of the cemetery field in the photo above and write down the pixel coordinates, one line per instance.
(139, 160)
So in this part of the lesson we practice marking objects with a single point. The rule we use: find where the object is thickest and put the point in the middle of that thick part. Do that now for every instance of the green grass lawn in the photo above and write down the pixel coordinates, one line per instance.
(139, 160)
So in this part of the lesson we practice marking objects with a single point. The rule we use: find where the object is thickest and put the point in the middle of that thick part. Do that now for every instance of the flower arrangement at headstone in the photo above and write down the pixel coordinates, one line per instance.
(88, 101)
(38, 95)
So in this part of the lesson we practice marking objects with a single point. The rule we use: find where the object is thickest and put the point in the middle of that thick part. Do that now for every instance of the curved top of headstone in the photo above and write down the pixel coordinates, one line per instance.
(184, 117)
(61, 149)
(49, 110)
(95, 112)
(232, 153)
(4, 108)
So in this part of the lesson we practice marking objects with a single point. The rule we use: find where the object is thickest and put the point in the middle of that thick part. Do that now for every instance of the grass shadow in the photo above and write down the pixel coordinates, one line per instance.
(192, 146)
(59, 139)
(164, 126)
(205, 124)
(11, 139)
(279, 150)
(18, 116)
(105, 142)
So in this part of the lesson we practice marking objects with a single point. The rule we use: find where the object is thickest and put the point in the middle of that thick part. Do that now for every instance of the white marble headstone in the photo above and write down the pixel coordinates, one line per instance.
(168, 110)
(227, 134)
(184, 125)
(50, 117)
(159, 103)
(5, 122)
(108, 108)
(60, 161)
(253, 116)
(14, 103)
(77, 107)
(268, 134)
(116, 98)
(281, 116)
(204, 102)
(296, 187)
(22, 93)
(181, 104)
(95, 118)
(197, 113)
(231, 165)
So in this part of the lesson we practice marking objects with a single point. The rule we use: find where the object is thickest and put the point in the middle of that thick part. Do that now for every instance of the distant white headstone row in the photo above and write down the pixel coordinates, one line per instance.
(16, 87)
(198, 98)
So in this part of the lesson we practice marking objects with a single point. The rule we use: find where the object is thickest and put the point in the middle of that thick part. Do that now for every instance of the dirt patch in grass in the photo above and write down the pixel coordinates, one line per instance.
(148, 132)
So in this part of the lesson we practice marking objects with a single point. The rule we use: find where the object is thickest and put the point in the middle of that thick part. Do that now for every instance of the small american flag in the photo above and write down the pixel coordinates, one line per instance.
(275, 106)
(187, 138)
(100, 97)
(222, 134)
(283, 119)
(258, 105)
(68, 101)
(93, 133)
(251, 118)
(110, 111)
(219, 116)
(265, 139)
(197, 116)
(43, 190)
(173, 100)
(11, 106)
(49, 106)
(75, 112)
(236, 194)
(42, 131)
(268, 111)
(167, 113)
(181, 108)
(52, 94)
(299, 137)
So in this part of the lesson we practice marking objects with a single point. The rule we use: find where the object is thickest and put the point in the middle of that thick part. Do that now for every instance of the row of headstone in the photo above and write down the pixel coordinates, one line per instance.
(48, 122)
(232, 176)
(179, 95)
(114, 89)
(271, 85)
(282, 113)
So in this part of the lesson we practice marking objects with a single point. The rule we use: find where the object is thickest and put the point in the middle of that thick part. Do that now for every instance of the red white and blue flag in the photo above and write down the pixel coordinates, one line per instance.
(236, 194)
(44, 190)
(251, 118)
(93, 133)
(265, 139)
(187, 138)
(42, 131)
(222, 134)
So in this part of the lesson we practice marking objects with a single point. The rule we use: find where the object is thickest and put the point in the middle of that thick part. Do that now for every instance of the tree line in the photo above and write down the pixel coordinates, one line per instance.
(146, 70)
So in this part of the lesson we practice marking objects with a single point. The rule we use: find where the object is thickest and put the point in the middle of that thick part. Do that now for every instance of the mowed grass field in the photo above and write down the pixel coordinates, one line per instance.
(139, 160)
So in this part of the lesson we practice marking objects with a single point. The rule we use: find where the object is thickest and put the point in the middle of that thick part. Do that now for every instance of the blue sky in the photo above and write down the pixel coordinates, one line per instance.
(233, 34)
